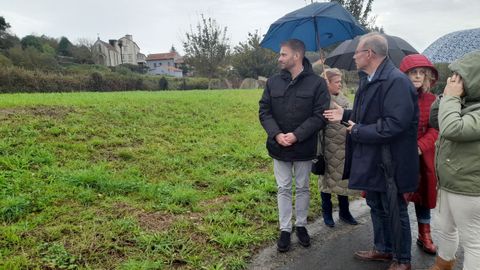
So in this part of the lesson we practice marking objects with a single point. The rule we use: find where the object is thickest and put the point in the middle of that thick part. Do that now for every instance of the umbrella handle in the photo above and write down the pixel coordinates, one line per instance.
(317, 39)
(324, 74)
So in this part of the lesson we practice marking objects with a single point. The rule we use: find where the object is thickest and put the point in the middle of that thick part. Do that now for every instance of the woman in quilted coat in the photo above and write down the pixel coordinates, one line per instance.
(334, 148)
(423, 75)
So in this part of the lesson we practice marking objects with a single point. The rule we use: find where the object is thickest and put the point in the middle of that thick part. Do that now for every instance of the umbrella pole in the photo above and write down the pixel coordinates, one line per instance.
(317, 39)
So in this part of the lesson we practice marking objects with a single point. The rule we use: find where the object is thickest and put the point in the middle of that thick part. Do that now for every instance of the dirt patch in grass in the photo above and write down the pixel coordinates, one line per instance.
(105, 155)
(158, 221)
(216, 201)
(199, 238)
(57, 112)
(150, 221)
(154, 221)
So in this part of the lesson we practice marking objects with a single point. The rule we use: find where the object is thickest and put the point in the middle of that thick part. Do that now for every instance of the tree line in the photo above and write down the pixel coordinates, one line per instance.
(207, 47)
(41, 52)
(208, 52)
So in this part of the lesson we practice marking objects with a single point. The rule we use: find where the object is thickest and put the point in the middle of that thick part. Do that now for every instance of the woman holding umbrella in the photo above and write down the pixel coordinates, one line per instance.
(423, 75)
(334, 147)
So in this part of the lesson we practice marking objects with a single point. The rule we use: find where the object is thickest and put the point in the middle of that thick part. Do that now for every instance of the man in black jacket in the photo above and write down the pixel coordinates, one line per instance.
(291, 111)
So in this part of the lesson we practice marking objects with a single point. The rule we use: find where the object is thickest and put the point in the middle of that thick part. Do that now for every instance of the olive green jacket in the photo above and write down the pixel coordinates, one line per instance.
(457, 158)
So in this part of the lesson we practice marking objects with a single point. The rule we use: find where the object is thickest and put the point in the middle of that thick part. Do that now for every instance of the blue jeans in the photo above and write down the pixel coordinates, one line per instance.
(382, 232)
(423, 214)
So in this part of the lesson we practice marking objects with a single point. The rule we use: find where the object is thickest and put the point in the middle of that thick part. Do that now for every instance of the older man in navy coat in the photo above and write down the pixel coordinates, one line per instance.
(385, 113)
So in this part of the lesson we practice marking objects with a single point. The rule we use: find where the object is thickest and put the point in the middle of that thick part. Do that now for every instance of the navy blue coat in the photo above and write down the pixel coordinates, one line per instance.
(385, 112)
(294, 106)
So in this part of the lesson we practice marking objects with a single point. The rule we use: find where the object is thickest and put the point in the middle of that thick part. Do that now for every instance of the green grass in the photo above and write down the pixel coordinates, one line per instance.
(135, 180)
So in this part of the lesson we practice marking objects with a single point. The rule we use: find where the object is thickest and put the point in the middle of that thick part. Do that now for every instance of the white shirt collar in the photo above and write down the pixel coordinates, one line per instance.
(370, 77)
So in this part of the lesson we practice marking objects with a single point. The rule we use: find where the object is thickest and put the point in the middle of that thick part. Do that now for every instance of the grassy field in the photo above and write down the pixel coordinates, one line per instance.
(135, 180)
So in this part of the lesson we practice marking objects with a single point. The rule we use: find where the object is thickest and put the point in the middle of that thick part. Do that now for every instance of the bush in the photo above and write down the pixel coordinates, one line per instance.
(16, 79)
(139, 84)
(4, 61)
(96, 81)
(30, 58)
(188, 83)
(85, 69)
(122, 70)
(162, 84)
(78, 78)
(133, 68)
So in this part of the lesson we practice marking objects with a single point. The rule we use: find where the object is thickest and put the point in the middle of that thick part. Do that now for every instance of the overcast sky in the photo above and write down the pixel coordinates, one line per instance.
(156, 25)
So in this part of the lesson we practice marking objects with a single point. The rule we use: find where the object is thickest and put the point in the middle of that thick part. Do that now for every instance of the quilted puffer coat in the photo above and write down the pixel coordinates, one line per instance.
(335, 134)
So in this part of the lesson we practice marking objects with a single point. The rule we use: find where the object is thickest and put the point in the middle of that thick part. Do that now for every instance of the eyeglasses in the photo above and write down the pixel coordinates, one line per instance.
(359, 51)
(366, 50)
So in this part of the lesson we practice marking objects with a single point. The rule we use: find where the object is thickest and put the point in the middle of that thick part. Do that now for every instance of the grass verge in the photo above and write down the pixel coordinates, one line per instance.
(135, 180)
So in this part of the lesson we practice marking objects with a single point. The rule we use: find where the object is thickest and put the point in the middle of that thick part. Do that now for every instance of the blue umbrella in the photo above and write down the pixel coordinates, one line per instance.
(318, 25)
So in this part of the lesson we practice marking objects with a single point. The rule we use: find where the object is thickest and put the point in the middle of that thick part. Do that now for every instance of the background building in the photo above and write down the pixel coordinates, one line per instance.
(116, 52)
(165, 64)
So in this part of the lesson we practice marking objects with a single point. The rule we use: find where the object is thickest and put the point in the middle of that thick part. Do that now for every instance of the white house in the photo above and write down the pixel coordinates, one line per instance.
(165, 64)
(107, 54)
(116, 52)
(129, 50)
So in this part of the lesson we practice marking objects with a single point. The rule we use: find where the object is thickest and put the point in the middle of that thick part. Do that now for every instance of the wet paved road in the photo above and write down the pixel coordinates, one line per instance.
(333, 248)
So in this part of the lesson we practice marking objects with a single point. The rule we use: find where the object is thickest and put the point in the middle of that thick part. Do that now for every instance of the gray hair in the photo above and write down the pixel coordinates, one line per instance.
(376, 42)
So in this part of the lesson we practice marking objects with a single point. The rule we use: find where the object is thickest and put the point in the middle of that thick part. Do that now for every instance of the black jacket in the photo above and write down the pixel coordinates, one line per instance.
(294, 106)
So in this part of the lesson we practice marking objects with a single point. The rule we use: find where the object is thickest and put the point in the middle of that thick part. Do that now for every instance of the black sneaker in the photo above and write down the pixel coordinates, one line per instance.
(303, 237)
(283, 244)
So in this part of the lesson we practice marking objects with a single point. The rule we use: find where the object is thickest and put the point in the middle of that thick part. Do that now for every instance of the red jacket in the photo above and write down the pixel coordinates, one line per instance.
(426, 194)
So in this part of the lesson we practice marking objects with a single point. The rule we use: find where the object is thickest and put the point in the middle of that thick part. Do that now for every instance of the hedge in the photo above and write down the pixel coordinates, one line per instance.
(15, 79)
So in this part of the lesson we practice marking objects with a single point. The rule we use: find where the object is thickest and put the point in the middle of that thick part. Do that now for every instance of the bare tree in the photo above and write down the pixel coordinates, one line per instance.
(85, 42)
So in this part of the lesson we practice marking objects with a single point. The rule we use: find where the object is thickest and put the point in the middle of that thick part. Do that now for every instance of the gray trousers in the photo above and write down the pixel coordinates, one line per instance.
(284, 172)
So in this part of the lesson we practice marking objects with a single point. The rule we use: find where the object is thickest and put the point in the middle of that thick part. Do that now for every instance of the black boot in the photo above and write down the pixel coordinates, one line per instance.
(283, 244)
(344, 214)
(327, 209)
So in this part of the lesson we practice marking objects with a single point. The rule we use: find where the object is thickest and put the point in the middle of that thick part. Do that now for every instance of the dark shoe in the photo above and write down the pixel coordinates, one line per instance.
(344, 212)
(302, 235)
(327, 209)
(328, 220)
(283, 244)
(400, 266)
(348, 218)
(373, 255)
(425, 239)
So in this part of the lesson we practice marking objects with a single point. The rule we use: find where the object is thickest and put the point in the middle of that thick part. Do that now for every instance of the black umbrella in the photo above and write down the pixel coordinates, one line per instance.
(392, 198)
(342, 56)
